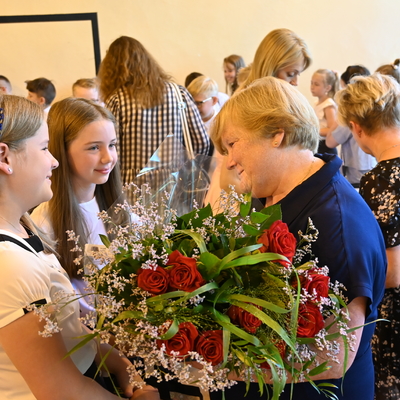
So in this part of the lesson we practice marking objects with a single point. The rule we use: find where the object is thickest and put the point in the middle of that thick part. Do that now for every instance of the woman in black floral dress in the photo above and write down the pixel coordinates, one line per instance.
(370, 107)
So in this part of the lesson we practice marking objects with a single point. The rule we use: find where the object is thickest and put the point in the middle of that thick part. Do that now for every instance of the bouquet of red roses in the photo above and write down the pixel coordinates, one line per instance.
(234, 293)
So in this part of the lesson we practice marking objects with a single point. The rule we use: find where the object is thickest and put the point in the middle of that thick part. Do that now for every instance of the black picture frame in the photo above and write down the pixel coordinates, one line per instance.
(92, 17)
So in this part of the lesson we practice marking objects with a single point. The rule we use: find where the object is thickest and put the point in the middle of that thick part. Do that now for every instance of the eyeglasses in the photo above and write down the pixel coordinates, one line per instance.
(200, 103)
(1, 119)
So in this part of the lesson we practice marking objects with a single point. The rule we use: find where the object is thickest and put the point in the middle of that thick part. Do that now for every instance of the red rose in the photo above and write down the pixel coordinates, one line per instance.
(278, 239)
(210, 346)
(154, 281)
(310, 320)
(184, 275)
(319, 284)
(304, 282)
(183, 341)
(244, 319)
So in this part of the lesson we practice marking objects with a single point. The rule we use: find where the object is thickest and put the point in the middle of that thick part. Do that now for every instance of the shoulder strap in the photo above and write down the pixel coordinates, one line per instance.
(6, 238)
(185, 128)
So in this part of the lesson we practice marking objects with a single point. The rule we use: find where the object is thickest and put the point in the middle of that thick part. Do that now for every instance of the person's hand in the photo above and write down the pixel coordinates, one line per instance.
(146, 393)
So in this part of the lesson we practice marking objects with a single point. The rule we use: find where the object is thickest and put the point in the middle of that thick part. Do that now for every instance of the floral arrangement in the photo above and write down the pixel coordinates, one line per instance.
(234, 294)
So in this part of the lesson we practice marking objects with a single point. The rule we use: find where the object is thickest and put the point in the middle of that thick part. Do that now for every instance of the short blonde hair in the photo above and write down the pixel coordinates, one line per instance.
(203, 85)
(373, 102)
(279, 49)
(267, 107)
(87, 83)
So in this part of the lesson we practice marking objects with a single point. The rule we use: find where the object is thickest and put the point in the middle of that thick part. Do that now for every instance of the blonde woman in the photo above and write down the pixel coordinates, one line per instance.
(269, 133)
(281, 54)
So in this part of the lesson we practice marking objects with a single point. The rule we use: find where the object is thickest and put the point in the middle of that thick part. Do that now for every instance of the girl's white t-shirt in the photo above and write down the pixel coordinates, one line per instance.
(27, 277)
(95, 226)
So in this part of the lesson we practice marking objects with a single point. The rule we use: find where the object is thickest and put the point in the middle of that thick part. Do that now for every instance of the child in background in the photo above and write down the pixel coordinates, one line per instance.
(204, 91)
(232, 65)
(324, 85)
(222, 97)
(83, 138)
(86, 89)
(356, 163)
(243, 74)
(41, 91)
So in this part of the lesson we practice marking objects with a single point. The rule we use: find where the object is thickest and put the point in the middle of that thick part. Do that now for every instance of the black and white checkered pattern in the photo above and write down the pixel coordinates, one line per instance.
(141, 131)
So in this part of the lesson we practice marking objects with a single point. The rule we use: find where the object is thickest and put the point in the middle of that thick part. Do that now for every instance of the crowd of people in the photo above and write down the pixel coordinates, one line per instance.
(336, 162)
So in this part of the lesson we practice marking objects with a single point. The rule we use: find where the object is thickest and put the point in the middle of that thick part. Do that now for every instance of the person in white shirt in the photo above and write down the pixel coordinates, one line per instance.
(83, 138)
(32, 366)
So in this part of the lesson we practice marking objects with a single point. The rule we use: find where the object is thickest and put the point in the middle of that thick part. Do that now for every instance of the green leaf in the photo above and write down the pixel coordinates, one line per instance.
(245, 207)
(196, 237)
(252, 259)
(87, 338)
(209, 265)
(258, 217)
(171, 332)
(321, 368)
(104, 239)
(128, 315)
(251, 230)
(274, 213)
(188, 295)
(266, 319)
(165, 296)
(226, 338)
(265, 304)
(239, 253)
(222, 320)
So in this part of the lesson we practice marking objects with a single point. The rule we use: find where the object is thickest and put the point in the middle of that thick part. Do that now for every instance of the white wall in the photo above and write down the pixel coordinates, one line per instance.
(188, 35)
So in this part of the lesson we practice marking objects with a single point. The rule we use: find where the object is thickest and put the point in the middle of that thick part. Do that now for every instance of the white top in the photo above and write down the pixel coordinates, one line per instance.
(319, 110)
(27, 277)
(95, 225)
(222, 99)
(208, 123)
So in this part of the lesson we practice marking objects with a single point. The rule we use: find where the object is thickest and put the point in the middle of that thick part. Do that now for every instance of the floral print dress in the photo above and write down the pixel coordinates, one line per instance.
(380, 188)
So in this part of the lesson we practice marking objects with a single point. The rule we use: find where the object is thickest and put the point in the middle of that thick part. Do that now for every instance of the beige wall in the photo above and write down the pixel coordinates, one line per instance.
(187, 35)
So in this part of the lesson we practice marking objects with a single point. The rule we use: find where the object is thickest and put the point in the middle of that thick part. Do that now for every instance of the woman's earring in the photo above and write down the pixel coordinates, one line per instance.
(10, 170)
(275, 144)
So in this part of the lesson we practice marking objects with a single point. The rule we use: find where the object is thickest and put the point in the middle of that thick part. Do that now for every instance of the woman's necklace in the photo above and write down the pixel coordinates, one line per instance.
(17, 229)
(384, 151)
(308, 173)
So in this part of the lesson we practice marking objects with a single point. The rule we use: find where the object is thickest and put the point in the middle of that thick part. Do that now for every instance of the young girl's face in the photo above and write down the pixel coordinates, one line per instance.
(229, 72)
(318, 86)
(92, 155)
(34, 169)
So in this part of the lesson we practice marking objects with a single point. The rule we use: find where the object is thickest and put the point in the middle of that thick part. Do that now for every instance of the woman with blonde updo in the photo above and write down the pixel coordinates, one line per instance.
(370, 107)
(391, 69)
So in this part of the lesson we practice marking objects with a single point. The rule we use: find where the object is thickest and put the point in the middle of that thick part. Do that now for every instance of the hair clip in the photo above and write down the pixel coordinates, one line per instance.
(1, 118)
